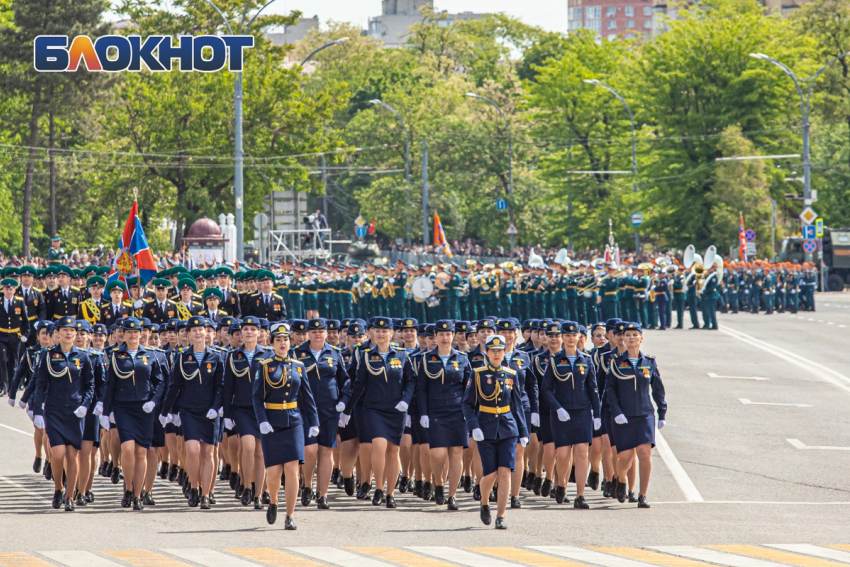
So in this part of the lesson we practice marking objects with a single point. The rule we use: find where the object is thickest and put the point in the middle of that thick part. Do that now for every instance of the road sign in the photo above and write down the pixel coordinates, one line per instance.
(810, 246)
(360, 231)
(808, 216)
(359, 221)
(819, 227)
(809, 231)
(751, 249)
(261, 221)
(637, 219)
(501, 204)
(512, 231)
(750, 235)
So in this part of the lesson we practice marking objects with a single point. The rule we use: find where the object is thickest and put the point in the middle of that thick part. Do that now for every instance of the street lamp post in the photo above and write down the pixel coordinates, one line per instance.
(237, 120)
(510, 156)
(325, 46)
(406, 159)
(610, 89)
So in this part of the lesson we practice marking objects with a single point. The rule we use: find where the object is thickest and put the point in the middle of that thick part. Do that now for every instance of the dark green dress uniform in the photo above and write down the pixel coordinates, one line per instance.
(609, 291)
(679, 300)
(453, 296)
(296, 297)
(63, 302)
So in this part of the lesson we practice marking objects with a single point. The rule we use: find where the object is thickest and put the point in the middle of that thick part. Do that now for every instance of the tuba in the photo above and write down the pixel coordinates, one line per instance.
(535, 260)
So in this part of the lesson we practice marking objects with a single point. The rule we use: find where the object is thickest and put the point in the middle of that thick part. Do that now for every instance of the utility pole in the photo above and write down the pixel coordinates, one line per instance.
(425, 238)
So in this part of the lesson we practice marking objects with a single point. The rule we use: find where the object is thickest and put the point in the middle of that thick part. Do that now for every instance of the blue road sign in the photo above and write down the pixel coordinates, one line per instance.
(809, 231)
(501, 204)
(360, 231)
(819, 227)
(637, 219)
(750, 235)
(810, 246)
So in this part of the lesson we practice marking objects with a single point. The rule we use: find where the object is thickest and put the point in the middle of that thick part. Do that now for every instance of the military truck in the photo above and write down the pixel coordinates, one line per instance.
(836, 255)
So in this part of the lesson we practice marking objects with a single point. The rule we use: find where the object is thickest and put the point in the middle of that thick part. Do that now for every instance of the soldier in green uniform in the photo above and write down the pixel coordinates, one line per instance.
(679, 297)
(609, 291)
(56, 253)
(400, 299)
(453, 293)
(506, 293)
(296, 296)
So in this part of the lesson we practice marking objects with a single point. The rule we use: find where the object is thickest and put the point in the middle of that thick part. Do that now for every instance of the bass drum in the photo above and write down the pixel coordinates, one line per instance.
(421, 288)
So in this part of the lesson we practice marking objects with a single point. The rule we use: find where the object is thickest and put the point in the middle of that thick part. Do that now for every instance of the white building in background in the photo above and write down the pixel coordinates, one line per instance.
(398, 15)
(291, 34)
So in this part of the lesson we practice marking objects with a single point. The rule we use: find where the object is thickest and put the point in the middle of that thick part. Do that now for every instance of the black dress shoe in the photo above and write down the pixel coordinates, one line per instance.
(493, 495)
(376, 499)
(515, 503)
(271, 513)
(612, 487)
(258, 504)
(163, 470)
(212, 498)
(546, 488)
(290, 524)
(439, 495)
(581, 503)
(266, 498)
(306, 495)
(621, 492)
(560, 494)
(402, 487)
(234, 481)
(593, 480)
(500, 524)
(476, 493)
(538, 486)
(642, 503)
(363, 491)
(452, 503)
(390, 501)
(181, 476)
(148, 500)
(137, 504)
(572, 475)
(127, 501)
(48, 471)
(529, 483)
(247, 496)
(605, 492)
(194, 498)
(89, 496)
(322, 503)
(467, 484)
(485, 514)
(57, 499)
(80, 500)
(524, 478)
(632, 497)
(69, 505)
(335, 476)
(116, 475)
(172, 473)
(110, 466)
(240, 490)
(205, 503)
(417, 489)
(427, 491)
(348, 485)
(36, 465)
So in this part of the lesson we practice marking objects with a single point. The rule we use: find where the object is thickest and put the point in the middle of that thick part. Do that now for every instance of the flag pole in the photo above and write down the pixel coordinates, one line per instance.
(136, 263)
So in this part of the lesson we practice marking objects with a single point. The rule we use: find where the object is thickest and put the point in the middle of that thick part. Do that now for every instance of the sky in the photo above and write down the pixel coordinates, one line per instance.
(548, 14)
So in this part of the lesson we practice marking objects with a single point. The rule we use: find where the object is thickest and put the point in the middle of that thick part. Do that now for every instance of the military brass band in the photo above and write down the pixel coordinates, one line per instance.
(303, 378)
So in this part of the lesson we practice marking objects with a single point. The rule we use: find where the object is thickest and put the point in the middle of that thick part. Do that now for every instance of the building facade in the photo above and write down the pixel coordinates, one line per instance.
(391, 27)
(611, 19)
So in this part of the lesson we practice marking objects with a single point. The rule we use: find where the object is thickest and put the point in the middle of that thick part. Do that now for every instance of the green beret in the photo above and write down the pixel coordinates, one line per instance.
(115, 284)
(184, 282)
(210, 291)
(161, 282)
(95, 280)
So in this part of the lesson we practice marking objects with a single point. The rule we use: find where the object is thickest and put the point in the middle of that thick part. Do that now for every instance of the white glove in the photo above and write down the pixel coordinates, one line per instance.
(112, 417)
(523, 441)
(314, 431)
(477, 434)
(535, 419)
(98, 408)
(169, 418)
(23, 339)
(81, 411)
(104, 422)
(138, 304)
(176, 421)
(228, 423)
(266, 428)
(221, 411)
(148, 407)
(163, 420)
(29, 414)
(621, 420)
(11, 402)
(662, 423)
(212, 414)
(563, 415)
(340, 407)
(407, 421)
(38, 421)
(424, 422)
(597, 424)
(22, 404)
(344, 419)
(401, 406)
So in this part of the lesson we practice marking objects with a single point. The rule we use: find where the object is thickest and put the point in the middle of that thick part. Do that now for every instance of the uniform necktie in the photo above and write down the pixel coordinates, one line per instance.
(8, 306)
(267, 301)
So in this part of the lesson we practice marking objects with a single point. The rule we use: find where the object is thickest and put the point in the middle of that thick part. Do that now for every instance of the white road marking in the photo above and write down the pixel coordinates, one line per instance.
(78, 559)
(209, 558)
(685, 483)
(24, 489)
(16, 429)
(335, 556)
(747, 402)
(713, 556)
(461, 556)
(818, 370)
(815, 550)
(797, 444)
(713, 375)
(588, 556)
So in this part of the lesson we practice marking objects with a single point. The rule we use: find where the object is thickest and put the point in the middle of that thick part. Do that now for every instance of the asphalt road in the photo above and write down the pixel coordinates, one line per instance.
(736, 472)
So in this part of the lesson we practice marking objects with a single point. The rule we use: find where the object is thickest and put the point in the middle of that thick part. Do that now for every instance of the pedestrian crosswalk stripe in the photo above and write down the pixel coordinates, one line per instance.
(273, 557)
(815, 550)
(714, 556)
(846, 547)
(338, 557)
(775, 555)
(209, 558)
(524, 556)
(18, 559)
(588, 556)
(461, 557)
(78, 559)
(399, 556)
(650, 556)
(144, 558)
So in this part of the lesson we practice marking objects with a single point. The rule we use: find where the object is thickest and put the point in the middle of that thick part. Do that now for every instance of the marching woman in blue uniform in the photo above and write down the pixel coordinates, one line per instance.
(326, 372)
(64, 387)
(569, 386)
(443, 375)
(135, 381)
(196, 380)
(386, 380)
(284, 405)
(632, 384)
(91, 423)
(240, 367)
(492, 406)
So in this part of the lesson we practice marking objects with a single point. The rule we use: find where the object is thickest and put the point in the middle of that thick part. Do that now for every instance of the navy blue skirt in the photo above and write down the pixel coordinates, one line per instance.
(133, 423)
(196, 426)
(609, 425)
(350, 431)
(283, 446)
(447, 431)
(495, 454)
(545, 432)
(603, 430)
(158, 438)
(91, 429)
(638, 431)
(359, 418)
(421, 436)
(63, 427)
(386, 424)
(531, 427)
(245, 421)
(578, 429)
(328, 424)
(171, 429)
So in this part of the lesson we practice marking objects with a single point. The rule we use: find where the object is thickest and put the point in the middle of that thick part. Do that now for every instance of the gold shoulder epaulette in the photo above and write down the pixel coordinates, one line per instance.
(509, 370)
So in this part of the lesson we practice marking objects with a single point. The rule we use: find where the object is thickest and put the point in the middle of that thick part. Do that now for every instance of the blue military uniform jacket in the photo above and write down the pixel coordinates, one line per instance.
(326, 374)
(630, 390)
(493, 403)
(63, 380)
(239, 373)
(282, 395)
(521, 362)
(439, 388)
(540, 361)
(383, 384)
(25, 370)
(141, 380)
(197, 385)
(571, 386)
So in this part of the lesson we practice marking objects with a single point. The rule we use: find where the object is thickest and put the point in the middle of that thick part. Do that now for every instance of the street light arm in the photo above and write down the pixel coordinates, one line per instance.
(811, 79)
(250, 23)
(784, 69)
(391, 109)
(226, 23)
(493, 104)
(325, 46)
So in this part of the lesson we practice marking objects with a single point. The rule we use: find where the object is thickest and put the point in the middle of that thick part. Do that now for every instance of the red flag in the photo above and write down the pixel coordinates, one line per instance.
(372, 227)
